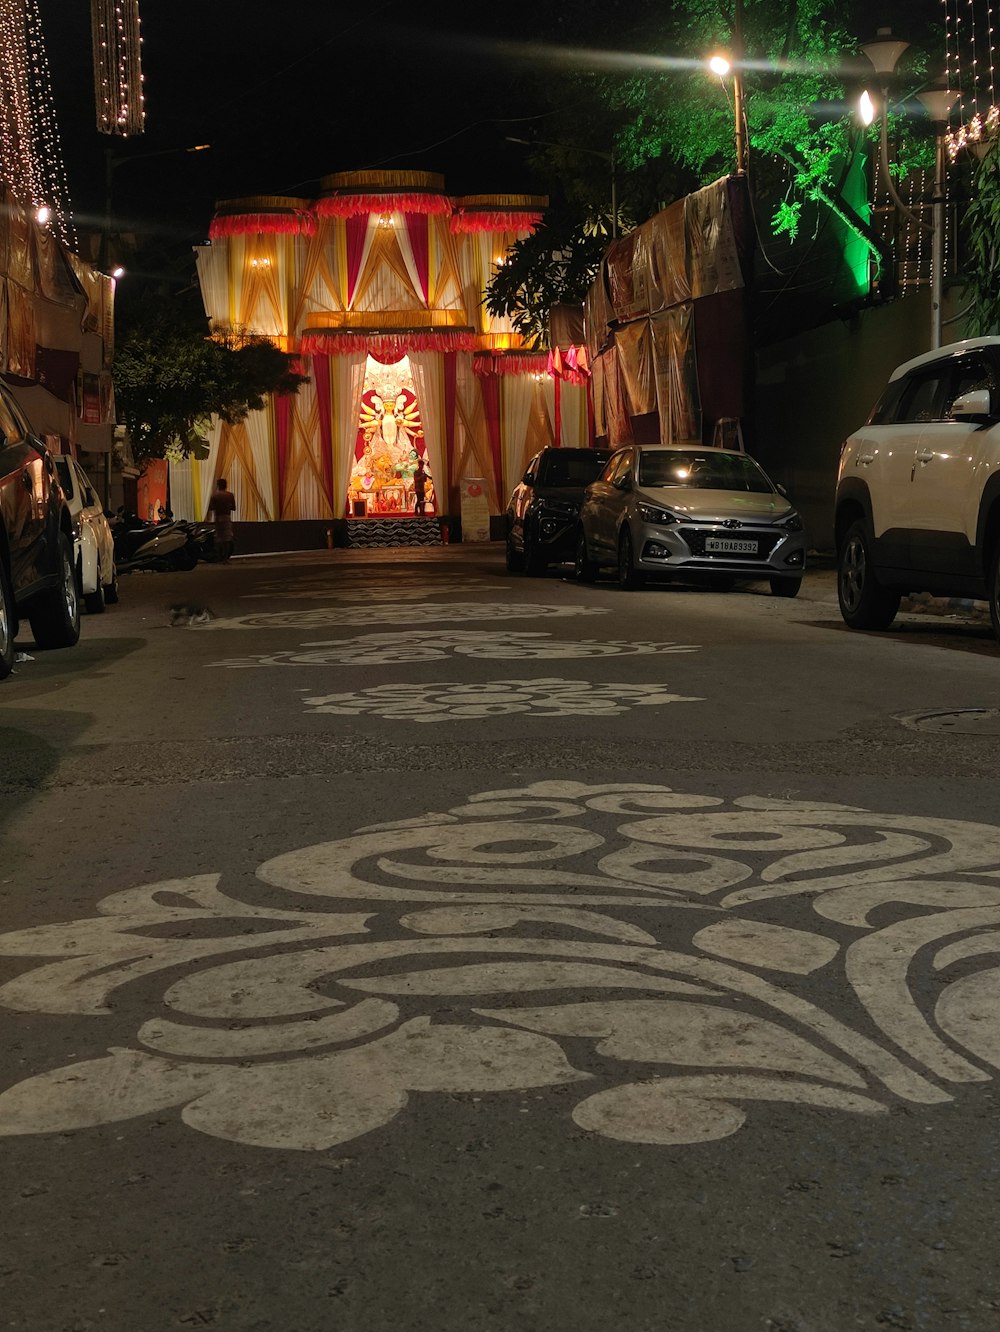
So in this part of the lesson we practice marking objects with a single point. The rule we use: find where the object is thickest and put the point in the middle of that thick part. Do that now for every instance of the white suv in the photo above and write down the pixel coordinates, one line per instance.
(918, 489)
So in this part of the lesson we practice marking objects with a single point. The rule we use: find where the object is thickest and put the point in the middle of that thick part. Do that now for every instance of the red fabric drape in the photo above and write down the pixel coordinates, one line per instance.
(476, 221)
(321, 375)
(357, 230)
(489, 364)
(354, 205)
(450, 405)
(250, 224)
(491, 406)
(386, 347)
(418, 230)
(557, 411)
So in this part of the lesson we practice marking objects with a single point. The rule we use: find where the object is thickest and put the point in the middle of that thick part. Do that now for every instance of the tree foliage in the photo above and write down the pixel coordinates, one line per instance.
(982, 228)
(671, 125)
(171, 378)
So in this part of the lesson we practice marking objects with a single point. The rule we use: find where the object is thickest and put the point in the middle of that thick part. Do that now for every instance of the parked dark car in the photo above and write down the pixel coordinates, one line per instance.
(542, 512)
(37, 577)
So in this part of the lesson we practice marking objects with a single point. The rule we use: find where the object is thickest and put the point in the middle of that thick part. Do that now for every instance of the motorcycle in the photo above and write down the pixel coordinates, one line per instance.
(165, 547)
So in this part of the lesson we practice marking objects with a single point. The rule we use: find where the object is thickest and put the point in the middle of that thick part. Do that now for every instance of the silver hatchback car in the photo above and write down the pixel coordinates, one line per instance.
(683, 510)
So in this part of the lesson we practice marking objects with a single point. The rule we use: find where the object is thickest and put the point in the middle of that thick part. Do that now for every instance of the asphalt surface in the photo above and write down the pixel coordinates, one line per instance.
(408, 945)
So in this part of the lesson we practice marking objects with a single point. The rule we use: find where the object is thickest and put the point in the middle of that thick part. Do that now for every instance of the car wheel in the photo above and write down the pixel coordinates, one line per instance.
(864, 602)
(584, 567)
(94, 601)
(629, 577)
(54, 615)
(6, 625)
(994, 592)
(111, 589)
(785, 587)
(535, 562)
(515, 560)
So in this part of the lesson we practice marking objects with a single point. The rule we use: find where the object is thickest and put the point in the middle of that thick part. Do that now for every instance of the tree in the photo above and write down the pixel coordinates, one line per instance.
(673, 127)
(982, 229)
(171, 377)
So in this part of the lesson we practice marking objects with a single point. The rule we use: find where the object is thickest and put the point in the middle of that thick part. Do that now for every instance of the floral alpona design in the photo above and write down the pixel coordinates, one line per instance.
(327, 587)
(475, 949)
(422, 645)
(395, 612)
(498, 698)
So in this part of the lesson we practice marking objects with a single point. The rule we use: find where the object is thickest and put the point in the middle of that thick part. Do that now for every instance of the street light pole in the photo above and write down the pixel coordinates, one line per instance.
(741, 134)
(884, 53)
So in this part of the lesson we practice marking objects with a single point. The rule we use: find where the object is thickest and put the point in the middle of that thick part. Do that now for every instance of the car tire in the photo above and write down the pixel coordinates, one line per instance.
(584, 568)
(864, 602)
(94, 601)
(111, 589)
(7, 618)
(785, 587)
(54, 615)
(994, 597)
(514, 558)
(535, 563)
(629, 577)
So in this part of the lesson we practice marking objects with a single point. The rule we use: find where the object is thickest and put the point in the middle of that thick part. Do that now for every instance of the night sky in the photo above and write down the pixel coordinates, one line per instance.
(287, 93)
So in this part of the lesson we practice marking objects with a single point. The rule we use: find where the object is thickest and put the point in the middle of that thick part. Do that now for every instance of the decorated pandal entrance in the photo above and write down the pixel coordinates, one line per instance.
(390, 445)
(377, 289)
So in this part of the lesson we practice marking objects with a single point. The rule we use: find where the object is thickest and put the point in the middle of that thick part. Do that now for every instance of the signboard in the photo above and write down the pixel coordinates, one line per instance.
(475, 510)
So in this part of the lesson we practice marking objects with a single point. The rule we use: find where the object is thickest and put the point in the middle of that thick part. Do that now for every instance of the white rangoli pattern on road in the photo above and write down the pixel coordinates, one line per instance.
(393, 612)
(618, 940)
(443, 701)
(436, 645)
(328, 588)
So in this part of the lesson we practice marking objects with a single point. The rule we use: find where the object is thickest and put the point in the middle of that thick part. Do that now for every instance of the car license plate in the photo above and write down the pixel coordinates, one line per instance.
(729, 546)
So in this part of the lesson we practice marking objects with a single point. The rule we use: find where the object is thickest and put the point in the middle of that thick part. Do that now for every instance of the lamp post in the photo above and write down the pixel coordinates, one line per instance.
(111, 165)
(883, 54)
(591, 152)
(723, 65)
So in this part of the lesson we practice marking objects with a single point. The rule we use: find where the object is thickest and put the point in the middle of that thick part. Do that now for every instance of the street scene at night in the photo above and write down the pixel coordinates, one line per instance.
(499, 619)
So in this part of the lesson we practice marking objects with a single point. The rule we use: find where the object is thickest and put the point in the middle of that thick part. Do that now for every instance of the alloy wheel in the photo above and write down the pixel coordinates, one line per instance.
(853, 573)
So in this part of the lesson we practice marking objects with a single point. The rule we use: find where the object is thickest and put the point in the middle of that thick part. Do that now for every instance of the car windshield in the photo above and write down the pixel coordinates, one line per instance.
(562, 468)
(702, 469)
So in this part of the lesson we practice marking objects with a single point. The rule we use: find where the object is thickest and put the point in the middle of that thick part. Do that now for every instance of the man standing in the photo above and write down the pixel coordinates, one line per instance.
(222, 506)
(420, 478)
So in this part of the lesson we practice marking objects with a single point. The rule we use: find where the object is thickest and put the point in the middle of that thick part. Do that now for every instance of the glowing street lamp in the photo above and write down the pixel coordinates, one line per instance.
(723, 66)
(883, 54)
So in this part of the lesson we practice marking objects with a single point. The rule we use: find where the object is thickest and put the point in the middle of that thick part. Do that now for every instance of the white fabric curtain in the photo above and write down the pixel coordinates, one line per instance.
(573, 410)
(360, 282)
(473, 455)
(347, 382)
(261, 449)
(181, 491)
(212, 263)
(517, 394)
(303, 491)
(428, 379)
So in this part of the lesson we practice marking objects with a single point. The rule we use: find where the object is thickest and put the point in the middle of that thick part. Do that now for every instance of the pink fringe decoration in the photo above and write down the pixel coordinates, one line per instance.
(386, 347)
(350, 205)
(503, 363)
(250, 224)
(476, 221)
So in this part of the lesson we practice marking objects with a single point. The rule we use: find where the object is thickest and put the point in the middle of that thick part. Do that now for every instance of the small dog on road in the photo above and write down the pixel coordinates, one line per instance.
(190, 615)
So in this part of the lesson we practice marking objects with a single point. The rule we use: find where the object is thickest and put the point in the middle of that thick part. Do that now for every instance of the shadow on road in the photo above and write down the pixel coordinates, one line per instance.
(958, 637)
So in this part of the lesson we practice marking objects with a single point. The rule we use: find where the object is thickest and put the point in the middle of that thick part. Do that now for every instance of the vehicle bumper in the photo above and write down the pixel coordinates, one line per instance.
(687, 549)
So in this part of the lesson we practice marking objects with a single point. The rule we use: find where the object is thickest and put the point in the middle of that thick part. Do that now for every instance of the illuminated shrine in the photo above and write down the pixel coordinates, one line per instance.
(377, 288)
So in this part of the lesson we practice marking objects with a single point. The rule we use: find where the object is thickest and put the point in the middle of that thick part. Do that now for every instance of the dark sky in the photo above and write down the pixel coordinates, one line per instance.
(289, 92)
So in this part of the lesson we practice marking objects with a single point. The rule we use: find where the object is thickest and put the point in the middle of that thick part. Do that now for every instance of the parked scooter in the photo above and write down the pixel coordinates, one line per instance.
(160, 546)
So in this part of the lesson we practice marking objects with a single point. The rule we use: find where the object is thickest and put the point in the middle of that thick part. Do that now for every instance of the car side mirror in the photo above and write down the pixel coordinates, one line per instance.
(781, 489)
(527, 479)
(977, 405)
(622, 482)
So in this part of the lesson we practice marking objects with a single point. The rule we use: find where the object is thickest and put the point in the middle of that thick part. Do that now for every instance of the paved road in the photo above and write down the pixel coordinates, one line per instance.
(410, 946)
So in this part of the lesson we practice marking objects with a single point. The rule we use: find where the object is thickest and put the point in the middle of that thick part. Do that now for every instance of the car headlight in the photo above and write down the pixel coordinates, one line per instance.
(791, 522)
(561, 508)
(650, 513)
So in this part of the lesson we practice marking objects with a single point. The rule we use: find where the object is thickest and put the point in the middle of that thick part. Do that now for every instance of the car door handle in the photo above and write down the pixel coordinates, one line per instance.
(863, 459)
(27, 482)
(924, 455)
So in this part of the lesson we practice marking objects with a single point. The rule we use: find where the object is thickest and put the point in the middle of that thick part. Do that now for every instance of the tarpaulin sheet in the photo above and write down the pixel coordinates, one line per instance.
(634, 345)
(677, 394)
(712, 258)
(619, 425)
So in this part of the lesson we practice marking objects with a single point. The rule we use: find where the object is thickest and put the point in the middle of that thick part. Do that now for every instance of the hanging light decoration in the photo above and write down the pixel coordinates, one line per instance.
(117, 47)
(31, 165)
(970, 47)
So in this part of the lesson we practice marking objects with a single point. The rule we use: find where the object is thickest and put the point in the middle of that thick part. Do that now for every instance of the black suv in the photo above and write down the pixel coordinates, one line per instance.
(37, 578)
(544, 510)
